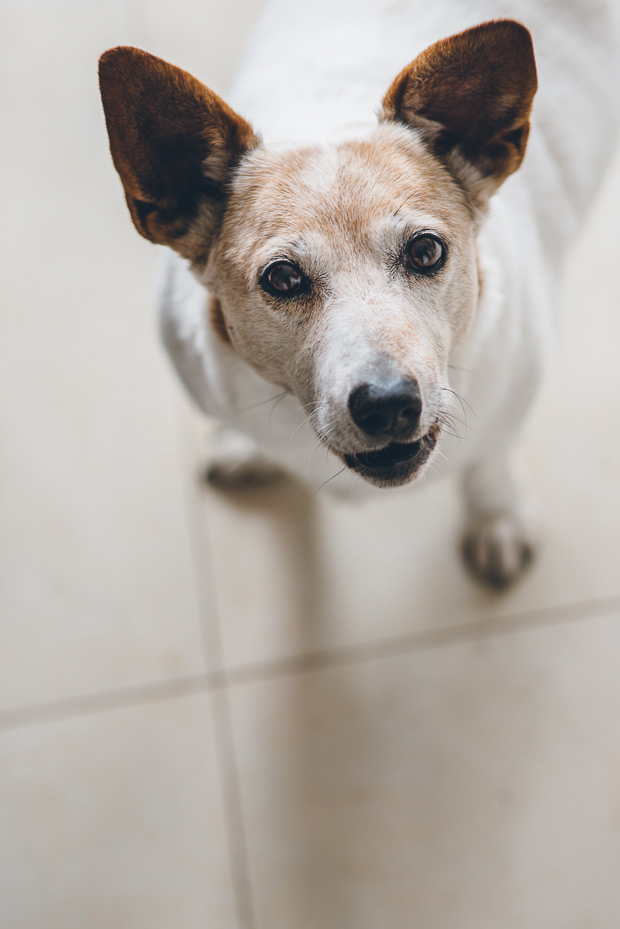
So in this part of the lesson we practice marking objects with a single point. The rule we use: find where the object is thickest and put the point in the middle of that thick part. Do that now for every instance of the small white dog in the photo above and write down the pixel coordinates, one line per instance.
(367, 257)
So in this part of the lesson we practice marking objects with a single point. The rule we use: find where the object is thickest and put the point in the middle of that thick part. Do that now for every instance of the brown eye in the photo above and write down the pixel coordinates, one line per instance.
(283, 279)
(426, 254)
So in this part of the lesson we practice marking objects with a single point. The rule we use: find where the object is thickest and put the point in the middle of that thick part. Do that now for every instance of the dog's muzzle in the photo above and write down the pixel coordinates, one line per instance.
(395, 463)
(391, 412)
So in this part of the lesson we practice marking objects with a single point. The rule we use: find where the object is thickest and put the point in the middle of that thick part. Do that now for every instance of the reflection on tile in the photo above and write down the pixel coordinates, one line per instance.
(96, 585)
(114, 819)
(474, 785)
(295, 574)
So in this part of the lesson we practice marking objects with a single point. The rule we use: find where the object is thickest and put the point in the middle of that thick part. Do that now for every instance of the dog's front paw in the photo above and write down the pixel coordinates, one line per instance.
(234, 461)
(498, 547)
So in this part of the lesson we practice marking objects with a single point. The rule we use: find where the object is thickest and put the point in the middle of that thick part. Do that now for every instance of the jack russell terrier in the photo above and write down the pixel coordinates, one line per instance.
(366, 290)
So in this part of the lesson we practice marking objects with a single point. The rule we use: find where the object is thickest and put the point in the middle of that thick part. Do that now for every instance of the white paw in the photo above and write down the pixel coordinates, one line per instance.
(498, 547)
(234, 461)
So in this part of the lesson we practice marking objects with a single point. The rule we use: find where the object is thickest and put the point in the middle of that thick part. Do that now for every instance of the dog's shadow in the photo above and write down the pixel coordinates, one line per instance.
(377, 771)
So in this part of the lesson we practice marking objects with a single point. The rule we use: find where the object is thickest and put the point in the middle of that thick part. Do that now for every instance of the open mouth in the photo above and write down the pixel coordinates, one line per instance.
(396, 463)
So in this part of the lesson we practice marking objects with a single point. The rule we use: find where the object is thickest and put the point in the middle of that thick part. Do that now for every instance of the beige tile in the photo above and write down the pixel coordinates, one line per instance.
(96, 585)
(205, 38)
(296, 573)
(472, 786)
(115, 819)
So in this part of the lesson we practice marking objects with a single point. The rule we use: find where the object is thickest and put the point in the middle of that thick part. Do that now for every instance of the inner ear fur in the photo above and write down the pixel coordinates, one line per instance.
(470, 97)
(173, 142)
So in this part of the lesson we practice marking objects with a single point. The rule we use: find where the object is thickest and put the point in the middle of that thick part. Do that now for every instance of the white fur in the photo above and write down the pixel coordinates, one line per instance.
(317, 74)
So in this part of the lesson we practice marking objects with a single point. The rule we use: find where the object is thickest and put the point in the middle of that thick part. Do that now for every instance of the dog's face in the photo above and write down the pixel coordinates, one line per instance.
(346, 274)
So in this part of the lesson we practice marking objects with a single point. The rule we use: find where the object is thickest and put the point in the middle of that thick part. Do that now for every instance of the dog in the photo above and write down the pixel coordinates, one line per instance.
(376, 274)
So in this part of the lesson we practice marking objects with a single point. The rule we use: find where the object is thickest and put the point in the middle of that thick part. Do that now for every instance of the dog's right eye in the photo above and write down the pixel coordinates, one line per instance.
(283, 279)
(426, 253)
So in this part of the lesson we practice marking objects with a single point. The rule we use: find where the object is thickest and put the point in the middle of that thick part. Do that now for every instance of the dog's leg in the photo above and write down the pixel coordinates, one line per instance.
(234, 460)
(500, 537)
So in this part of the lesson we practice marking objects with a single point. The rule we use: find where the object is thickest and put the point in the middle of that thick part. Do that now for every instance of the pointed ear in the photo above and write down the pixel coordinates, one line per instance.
(470, 98)
(173, 143)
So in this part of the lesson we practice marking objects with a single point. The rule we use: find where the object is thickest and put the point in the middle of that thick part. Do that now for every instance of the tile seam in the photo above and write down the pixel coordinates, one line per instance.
(426, 640)
(175, 688)
(197, 515)
(103, 701)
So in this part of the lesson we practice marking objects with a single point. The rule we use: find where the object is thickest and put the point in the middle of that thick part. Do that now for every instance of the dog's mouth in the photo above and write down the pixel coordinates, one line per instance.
(396, 463)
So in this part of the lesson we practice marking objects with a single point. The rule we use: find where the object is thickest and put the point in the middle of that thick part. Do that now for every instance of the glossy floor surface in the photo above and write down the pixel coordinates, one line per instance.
(267, 710)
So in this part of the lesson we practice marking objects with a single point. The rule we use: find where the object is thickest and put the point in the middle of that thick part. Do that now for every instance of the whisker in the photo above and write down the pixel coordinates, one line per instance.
(329, 479)
(407, 198)
(460, 421)
(278, 400)
(455, 435)
(454, 394)
(312, 406)
(314, 446)
(277, 397)
(466, 370)
(462, 401)
(451, 420)
(328, 429)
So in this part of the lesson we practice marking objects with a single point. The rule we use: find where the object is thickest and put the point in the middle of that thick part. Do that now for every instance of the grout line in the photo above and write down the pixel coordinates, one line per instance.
(206, 595)
(123, 698)
(427, 640)
(342, 656)
(229, 773)
(204, 586)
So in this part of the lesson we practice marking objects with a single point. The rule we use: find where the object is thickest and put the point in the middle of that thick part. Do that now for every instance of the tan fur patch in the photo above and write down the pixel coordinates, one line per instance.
(216, 318)
(294, 196)
(344, 216)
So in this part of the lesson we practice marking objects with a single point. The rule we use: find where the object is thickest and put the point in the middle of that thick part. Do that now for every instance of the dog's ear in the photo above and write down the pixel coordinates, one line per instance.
(470, 97)
(173, 143)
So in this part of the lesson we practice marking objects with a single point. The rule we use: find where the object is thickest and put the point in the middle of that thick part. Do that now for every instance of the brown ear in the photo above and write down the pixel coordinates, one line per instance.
(173, 143)
(470, 97)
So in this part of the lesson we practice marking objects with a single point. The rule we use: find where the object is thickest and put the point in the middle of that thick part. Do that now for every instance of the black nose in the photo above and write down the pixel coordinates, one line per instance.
(390, 410)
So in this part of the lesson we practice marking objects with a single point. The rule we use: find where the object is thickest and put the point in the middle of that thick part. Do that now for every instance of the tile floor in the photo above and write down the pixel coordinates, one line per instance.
(342, 733)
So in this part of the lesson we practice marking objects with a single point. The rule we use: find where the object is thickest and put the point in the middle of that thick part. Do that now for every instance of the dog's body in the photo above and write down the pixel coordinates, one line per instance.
(312, 84)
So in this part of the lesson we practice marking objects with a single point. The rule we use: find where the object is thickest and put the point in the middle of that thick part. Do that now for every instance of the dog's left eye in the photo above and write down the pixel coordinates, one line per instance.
(426, 253)
(283, 279)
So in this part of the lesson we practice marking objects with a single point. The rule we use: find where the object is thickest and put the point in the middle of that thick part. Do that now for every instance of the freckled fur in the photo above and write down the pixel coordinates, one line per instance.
(340, 213)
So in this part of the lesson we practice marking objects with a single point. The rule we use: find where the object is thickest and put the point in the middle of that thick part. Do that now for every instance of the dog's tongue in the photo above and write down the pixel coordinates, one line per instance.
(390, 455)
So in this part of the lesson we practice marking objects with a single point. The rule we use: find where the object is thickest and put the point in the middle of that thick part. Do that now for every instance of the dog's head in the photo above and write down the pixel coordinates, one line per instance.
(346, 274)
